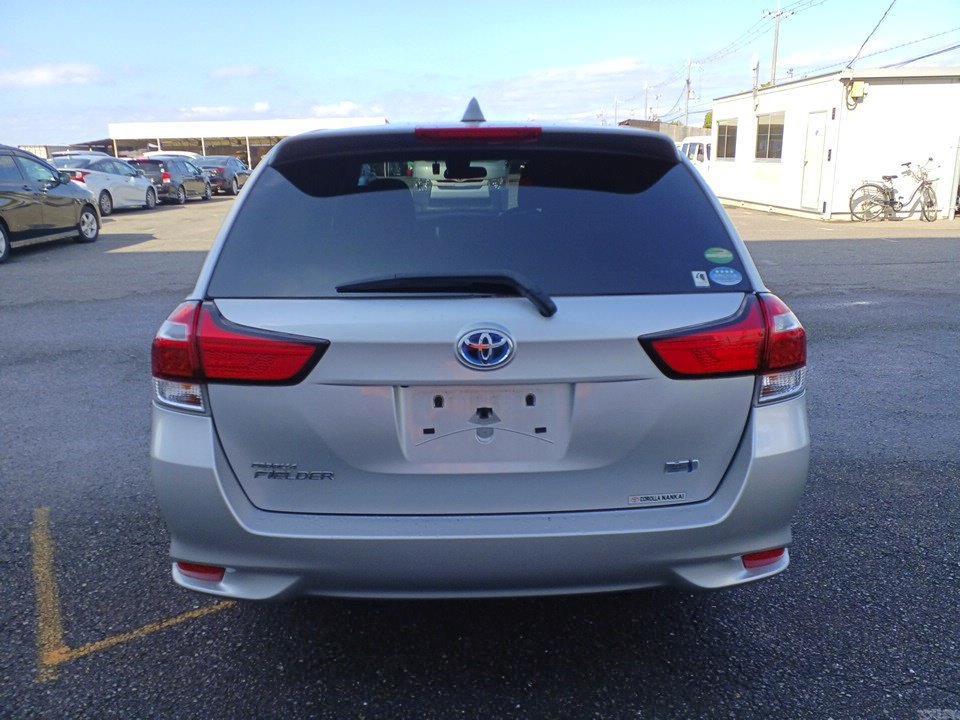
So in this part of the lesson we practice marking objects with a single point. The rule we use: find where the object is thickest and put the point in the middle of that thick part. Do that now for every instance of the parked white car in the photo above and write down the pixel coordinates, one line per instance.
(114, 183)
(177, 153)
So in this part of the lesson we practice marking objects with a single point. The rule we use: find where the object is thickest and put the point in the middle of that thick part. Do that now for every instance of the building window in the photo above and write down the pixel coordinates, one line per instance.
(769, 136)
(727, 139)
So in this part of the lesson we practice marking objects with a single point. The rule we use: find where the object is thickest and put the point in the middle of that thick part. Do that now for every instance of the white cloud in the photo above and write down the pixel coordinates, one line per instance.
(344, 108)
(206, 111)
(261, 106)
(572, 93)
(42, 75)
(232, 72)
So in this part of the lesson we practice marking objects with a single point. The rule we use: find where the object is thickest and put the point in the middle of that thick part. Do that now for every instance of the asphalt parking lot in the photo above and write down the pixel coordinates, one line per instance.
(863, 625)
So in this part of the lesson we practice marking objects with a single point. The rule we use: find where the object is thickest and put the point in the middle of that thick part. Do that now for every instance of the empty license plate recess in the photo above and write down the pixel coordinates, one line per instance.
(523, 424)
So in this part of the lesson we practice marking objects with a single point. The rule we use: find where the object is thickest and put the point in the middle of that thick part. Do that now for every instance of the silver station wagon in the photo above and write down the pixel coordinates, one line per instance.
(564, 377)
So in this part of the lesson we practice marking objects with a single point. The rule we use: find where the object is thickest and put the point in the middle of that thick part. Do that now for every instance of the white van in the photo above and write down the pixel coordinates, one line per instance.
(697, 147)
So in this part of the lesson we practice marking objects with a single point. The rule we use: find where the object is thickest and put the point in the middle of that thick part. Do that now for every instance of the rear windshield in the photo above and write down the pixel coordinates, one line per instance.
(146, 164)
(573, 223)
(211, 160)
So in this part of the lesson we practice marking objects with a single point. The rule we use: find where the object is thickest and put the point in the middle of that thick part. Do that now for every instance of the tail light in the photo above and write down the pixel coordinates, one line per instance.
(480, 134)
(764, 338)
(80, 176)
(165, 177)
(219, 171)
(198, 345)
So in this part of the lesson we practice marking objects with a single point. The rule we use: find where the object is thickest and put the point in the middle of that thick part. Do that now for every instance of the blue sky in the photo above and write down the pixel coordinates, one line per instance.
(525, 59)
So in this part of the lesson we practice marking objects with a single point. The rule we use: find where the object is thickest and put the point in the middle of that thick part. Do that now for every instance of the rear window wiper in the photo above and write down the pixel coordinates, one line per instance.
(470, 282)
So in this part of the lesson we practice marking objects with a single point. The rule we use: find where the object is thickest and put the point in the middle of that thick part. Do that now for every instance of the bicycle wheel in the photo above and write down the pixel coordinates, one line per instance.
(867, 202)
(928, 204)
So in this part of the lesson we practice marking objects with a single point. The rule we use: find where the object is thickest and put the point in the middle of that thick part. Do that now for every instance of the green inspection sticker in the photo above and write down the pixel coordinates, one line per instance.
(718, 255)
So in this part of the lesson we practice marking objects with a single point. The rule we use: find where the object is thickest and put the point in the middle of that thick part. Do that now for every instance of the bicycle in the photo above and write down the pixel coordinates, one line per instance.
(873, 199)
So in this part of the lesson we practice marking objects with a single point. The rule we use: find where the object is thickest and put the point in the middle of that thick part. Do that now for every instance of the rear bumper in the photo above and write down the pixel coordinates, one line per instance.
(273, 555)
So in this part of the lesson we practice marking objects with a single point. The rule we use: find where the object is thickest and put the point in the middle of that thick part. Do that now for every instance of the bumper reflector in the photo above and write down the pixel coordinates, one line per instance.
(207, 573)
(761, 559)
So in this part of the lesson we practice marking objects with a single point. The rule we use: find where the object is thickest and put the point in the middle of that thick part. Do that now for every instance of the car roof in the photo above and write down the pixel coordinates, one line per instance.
(23, 153)
(85, 156)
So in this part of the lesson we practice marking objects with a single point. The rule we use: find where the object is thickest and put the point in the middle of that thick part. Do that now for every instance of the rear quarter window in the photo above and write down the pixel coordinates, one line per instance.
(573, 223)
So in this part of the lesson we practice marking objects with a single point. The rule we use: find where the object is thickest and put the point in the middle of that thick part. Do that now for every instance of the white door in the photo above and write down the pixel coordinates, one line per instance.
(133, 194)
(813, 160)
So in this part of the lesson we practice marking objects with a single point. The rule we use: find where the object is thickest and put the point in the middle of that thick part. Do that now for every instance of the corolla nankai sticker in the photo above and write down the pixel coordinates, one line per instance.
(725, 276)
(657, 498)
(700, 278)
(718, 255)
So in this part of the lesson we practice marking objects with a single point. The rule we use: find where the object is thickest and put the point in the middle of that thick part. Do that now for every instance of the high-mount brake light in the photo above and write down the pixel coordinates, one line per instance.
(764, 338)
(480, 134)
(197, 345)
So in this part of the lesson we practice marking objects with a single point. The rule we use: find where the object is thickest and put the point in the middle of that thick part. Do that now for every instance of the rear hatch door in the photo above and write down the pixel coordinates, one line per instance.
(392, 421)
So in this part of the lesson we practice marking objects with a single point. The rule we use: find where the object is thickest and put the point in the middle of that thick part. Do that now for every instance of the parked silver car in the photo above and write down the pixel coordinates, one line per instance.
(113, 182)
(367, 395)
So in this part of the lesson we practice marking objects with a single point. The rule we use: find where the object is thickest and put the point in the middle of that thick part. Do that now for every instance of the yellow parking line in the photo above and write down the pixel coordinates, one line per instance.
(114, 640)
(49, 625)
(52, 650)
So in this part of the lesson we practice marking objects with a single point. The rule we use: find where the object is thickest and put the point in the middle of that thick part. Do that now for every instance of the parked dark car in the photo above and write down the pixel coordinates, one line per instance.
(227, 174)
(37, 201)
(175, 178)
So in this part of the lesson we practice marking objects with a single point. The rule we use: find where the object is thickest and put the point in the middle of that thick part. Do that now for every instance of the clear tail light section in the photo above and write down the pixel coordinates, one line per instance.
(197, 345)
(764, 339)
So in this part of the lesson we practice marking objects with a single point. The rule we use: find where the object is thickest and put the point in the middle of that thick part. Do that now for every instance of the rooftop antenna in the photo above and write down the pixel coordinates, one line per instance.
(473, 113)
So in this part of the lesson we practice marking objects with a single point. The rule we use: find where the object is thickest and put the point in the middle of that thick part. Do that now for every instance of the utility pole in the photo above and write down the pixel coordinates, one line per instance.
(686, 98)
(777, 15)
(616, 110)
(756, 81)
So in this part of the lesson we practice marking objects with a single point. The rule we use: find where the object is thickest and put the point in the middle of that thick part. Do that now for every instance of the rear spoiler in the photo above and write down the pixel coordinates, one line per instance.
(386, 141)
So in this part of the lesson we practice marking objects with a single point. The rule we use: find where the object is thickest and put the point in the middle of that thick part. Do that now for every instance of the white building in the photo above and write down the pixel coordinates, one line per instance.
(248, 139)
(803, 146)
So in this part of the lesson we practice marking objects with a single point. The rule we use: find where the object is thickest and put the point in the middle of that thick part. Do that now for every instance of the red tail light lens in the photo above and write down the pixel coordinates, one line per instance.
(80, 176)
(480, 134)
(197, 344)
(174, 355)
(165, 177)
(219, 171)
(764, 338)
(733, 347)
(752, 561)
(786, 338)
(207, 573)
(232, 353)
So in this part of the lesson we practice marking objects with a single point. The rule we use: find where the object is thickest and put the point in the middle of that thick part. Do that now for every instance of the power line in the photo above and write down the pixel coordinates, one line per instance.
(741, 41)
(758, 28)
(674, 107)
(922, 57)
(883, 51)
(875, 28)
